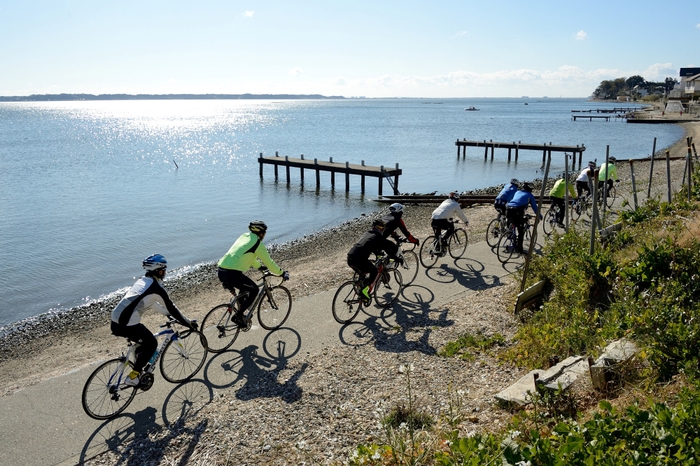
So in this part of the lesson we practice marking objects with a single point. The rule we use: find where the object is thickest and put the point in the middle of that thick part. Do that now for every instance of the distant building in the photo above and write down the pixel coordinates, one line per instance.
(690, 83)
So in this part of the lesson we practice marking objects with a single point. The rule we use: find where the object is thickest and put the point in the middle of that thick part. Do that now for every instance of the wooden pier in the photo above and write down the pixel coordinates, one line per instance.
(518, 146)
(344, 168)
(610, 110)
(592, 117)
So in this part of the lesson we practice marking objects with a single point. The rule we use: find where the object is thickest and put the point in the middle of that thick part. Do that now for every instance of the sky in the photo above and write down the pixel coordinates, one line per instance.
(353, 48)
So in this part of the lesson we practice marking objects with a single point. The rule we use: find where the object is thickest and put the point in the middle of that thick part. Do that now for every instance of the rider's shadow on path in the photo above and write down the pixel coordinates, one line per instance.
(259, 374)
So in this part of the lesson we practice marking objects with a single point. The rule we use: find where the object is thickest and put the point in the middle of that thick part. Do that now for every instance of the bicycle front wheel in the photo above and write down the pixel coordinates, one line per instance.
(409, 269)
(458, 243)
(428, 254)
(388, 287)
(347, 302)
(494, 232)
(104, 394)
(183, 356)
(612, 192)
(274, 307)
(219, 329)
(506, 247)
(550, 220)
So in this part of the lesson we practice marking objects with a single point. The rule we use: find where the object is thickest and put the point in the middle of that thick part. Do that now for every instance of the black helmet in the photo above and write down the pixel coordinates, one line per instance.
(612, 160)
(527, 187)
(257, 226)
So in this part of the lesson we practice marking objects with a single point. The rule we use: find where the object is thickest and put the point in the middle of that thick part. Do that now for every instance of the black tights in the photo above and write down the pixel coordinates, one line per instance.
(140, 334)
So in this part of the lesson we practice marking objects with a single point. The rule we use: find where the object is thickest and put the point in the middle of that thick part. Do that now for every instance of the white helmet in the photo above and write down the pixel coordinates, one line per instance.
(396, 207)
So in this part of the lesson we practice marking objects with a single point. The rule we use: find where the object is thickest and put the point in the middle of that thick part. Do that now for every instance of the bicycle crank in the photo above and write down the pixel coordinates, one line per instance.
(146, 382)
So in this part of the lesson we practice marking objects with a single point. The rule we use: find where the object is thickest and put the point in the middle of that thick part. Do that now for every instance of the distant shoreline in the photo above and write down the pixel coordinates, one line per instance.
(90, 97)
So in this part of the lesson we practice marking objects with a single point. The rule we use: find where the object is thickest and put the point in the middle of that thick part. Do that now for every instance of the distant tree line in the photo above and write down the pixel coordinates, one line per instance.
(72, 97)
(611, 89)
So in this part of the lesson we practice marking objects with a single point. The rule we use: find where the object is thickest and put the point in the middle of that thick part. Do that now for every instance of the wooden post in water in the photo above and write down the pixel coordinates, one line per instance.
(362, 180)
(509, 149)
(318, 174)
(301, 171)
(261, 165)
(458, 149)
(396, 180)
(286, 166)
(517, 148)
(332, 176)
(651, 168)
(486, 151)
(347, 177)
(276, 171)
(492, 149)
(381, 179)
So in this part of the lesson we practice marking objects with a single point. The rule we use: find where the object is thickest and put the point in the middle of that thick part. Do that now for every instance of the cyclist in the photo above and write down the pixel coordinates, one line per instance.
(515, 211)
(393, 221)
(372, 241)
(441, 217)
(248, 251)
(608, 170)
(582, 182)
(557, 195)
(506, 195)
(145, 295)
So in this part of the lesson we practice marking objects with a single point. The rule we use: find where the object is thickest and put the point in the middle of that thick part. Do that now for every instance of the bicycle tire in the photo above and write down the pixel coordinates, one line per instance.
(384, 293)
(274, 307)
(458, 243)
(576, 210)
(409, 269)
(102, 398)
(550, 220)
(493, 232)
(347, 303)
(506, 247)
(219, 329)
(610, 199)
(183, 357)
(428, 256)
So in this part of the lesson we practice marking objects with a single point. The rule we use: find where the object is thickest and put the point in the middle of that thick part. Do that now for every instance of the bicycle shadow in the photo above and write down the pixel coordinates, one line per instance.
(259, 373)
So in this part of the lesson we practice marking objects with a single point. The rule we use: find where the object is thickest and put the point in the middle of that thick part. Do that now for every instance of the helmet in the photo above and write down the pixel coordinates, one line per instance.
(454, 195)
(612, 160)
(396, 207)
(591, 164)
(527, 187)
(379, 224)
(154, 262)
(514, 181)
(257, 226)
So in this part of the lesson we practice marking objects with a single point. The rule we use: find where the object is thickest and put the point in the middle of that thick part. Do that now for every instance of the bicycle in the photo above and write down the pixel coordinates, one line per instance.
(495, 229)
(551, 220)
(273, 304)
(181, 355)
(607, 195)
(508, 244)
(409, 268)
(433, 247)
(349, 300)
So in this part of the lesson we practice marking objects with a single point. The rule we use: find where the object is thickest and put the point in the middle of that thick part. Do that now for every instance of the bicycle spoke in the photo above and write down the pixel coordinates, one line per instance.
(104, 394)
(219, 329)
(274, 307)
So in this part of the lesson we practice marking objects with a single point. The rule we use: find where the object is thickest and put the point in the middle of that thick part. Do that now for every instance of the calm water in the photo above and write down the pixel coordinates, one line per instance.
(87, 189)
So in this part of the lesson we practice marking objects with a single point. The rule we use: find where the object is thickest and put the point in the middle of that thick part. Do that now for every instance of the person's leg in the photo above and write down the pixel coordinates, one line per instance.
(558, 201)
(237, 280)
(139, 334)
(520, 224)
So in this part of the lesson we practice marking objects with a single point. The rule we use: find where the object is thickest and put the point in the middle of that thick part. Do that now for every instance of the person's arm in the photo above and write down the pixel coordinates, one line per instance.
(613, 173)
(533, 203)
(267, 261)
(460, 213)
(161, 302)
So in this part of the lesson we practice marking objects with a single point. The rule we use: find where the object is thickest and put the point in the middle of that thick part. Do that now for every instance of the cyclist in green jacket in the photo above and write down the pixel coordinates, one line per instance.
(608, 171)
(557, 195)
(248, 251)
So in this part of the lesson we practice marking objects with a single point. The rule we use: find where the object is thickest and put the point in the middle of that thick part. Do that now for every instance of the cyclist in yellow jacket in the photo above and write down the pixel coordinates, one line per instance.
(557, 195)
(248, 251)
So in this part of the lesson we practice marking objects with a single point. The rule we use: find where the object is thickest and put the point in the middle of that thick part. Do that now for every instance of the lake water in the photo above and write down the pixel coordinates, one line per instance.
(88, 189)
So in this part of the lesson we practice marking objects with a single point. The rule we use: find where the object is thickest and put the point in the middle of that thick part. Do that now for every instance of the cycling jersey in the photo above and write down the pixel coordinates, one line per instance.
(583, 176)
(449, 209)
(393, 221)
(559, 189)
(521, 200)
(244, 254)
(610, 173)
(145, 295)
(506, 194)
(372, 242)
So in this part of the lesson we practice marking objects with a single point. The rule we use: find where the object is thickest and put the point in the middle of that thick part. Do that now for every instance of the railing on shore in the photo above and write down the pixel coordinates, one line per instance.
(345, 168)
(517, 146)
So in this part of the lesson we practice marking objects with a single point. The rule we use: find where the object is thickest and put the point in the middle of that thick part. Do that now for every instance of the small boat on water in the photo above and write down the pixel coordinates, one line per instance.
(471, 109)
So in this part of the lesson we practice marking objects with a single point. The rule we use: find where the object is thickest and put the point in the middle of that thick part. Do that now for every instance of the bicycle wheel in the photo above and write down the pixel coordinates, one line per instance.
(274, 307)
(428, 254)
(409, 269)
(104, 394)
(219, 329)
(347, 302)
(494, 232)
(388, 287)
(576, 209)
(612, 192)
(183, 357)
(550, 220)
(458, 243)
(506, 247)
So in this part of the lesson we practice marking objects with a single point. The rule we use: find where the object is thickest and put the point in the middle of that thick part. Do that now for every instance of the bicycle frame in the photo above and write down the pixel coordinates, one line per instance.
(262, 290)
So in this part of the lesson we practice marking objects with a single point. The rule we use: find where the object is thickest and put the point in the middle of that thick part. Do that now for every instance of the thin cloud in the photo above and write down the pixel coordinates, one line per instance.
(581, 35)
(296, 71)
(248, 14)
(461, 33)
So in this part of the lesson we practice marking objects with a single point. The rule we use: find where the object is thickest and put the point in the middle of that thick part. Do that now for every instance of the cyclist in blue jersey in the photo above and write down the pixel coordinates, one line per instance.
(506, 194)
(515, 211)
(145, 295)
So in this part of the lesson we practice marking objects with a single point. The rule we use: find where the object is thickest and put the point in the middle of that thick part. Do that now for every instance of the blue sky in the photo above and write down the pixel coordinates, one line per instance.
(375, 48)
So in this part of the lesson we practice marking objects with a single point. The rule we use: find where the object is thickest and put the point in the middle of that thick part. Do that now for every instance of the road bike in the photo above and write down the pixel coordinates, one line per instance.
(385, 289)
(181, 355)
(409, 268)
(495, 229)
(435, 247)
(608, 195)
(508, 244)
(550, 223)
(273, 304)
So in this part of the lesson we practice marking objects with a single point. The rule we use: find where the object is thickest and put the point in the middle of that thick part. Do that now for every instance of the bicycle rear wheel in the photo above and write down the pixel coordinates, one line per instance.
(458, 243)
(274, 307)
(388, 287)
(494, 232)
(347, 302)
(104, 394)
(506, 247)
(183, 356)
(409, 269)
(219, 329)
(428, 254)
(550, 220)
